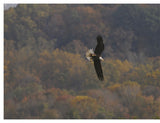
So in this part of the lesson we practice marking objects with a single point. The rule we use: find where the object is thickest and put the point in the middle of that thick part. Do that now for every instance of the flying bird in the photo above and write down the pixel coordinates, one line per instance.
(95, 56)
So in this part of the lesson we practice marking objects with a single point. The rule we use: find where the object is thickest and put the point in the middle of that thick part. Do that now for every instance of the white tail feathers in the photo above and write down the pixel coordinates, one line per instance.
(89, 54)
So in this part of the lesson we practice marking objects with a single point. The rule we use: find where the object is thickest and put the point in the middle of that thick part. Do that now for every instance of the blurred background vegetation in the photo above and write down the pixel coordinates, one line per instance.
(46, 74)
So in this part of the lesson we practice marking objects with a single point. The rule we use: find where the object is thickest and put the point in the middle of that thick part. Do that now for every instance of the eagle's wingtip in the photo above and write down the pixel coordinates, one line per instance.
(102, 79)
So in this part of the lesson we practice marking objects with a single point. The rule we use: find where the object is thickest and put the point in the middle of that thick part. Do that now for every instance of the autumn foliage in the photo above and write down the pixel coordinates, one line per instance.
(46, 74)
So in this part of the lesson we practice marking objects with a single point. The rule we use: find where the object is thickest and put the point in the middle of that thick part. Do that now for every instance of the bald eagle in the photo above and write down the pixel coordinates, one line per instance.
(95, 56)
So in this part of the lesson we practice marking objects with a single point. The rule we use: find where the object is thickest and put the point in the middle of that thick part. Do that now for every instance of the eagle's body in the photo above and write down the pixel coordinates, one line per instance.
(95, 56)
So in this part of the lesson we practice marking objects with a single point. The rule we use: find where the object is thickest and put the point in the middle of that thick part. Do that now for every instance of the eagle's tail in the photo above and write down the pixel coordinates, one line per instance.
(89, 54)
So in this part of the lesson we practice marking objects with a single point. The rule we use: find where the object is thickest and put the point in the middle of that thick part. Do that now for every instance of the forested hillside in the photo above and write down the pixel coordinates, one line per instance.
(46, 74)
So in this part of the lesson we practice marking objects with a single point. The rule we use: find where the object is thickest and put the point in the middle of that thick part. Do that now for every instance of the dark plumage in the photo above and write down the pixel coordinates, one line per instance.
(100, 46)
(95, 56)
(98, 68)
(97, 63)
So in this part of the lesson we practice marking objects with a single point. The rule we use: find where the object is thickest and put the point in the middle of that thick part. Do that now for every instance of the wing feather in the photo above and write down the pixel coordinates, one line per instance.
(98, 68)
(100, 46)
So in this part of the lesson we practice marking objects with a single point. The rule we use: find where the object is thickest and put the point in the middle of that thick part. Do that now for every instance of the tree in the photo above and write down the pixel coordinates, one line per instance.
(84, 107)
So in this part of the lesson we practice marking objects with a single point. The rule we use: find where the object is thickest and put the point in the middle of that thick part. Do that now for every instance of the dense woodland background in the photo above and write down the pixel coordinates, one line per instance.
(46, 74)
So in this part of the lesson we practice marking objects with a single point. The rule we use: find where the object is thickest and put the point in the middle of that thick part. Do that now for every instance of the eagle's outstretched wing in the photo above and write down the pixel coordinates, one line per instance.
(98, 68)
(100, 46)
